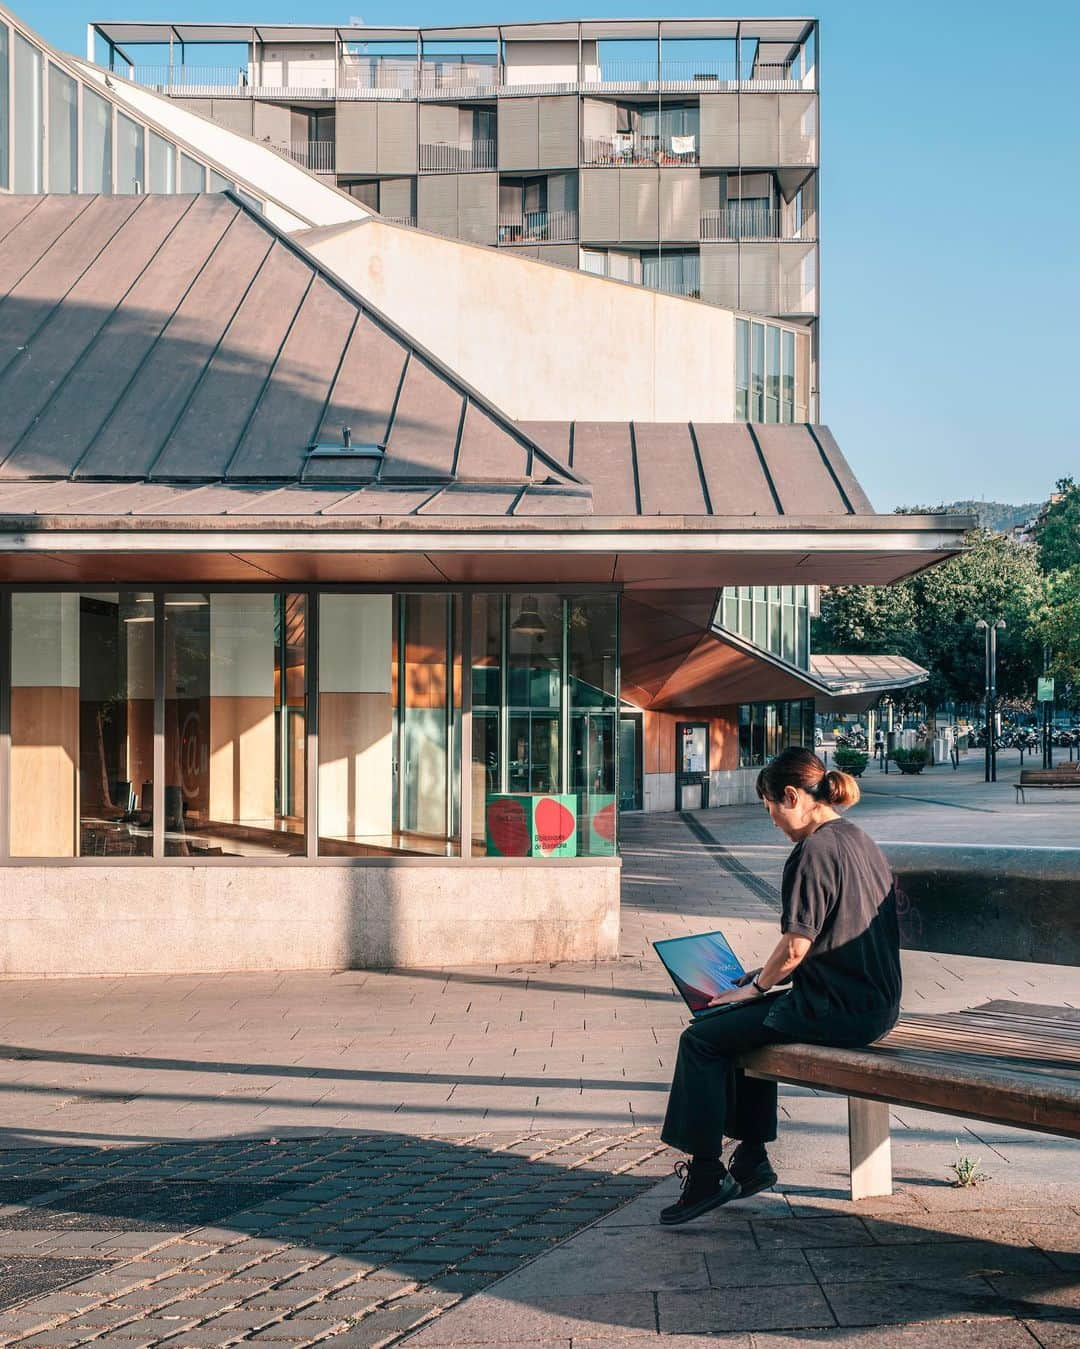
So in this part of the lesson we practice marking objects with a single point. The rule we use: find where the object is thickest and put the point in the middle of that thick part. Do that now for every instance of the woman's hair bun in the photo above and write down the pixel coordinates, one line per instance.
(839, 789)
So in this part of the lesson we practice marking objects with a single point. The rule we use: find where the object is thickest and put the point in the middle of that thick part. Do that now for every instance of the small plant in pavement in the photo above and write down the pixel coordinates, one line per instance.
(966, 1173)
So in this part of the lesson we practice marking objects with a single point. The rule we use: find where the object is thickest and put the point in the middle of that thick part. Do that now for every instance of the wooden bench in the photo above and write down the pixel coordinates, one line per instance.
(1005, 1063)
(1065, 778)
(1015, 1064)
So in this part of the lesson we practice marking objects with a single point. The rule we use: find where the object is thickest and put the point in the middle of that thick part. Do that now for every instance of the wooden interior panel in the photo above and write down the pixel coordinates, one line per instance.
(355, 764)
(242, 758)
(44, 752)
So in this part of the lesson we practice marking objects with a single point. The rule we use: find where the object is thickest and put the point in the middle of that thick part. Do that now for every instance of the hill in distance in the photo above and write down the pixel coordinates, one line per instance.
(995, 515)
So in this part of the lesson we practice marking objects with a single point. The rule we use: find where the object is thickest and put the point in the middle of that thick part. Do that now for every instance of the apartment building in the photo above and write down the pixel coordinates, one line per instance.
(678, 155)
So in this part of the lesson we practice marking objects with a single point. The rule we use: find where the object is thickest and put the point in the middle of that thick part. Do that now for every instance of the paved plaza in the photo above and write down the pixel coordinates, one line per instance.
(472, 1156)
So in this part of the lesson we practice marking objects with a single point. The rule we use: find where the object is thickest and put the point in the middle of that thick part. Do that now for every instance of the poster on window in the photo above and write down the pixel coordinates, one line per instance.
(530, 825)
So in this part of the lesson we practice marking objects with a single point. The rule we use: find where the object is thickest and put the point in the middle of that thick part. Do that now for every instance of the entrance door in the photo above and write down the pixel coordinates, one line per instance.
(630, 784)
(691, 765)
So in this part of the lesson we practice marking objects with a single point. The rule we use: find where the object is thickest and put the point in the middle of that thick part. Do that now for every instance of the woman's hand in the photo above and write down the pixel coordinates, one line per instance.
(745, 994)
(748, 977)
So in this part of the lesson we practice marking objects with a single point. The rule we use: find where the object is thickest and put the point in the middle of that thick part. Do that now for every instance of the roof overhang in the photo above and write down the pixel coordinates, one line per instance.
(855, 683)
(646, 554)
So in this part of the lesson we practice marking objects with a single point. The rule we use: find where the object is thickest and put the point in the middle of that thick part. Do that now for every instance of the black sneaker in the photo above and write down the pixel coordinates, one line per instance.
(752, 1175)
(703, 1188)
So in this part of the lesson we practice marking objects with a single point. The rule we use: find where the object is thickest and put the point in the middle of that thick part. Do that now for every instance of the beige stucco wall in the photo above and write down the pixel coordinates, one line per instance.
(544, 343)
(145, 919)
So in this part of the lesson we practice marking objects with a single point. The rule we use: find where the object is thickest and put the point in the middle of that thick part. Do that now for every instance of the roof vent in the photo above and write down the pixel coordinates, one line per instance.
(347, 449)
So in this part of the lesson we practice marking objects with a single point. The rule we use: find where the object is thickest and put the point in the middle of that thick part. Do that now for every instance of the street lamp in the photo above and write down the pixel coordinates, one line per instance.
(990, 632)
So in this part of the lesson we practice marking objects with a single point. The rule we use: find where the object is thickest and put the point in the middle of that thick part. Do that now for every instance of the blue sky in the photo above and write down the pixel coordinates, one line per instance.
(950, 214)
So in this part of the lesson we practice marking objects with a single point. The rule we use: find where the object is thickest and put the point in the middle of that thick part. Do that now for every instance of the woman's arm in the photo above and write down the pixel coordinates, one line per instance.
(787, 955)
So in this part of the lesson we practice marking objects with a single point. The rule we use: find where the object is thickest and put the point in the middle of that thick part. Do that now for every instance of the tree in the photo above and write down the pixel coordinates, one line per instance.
(1058, 531)
(1057, 623)
(931, 620)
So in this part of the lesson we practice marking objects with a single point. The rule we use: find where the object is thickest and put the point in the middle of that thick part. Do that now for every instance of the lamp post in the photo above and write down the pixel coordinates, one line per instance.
(990, 632)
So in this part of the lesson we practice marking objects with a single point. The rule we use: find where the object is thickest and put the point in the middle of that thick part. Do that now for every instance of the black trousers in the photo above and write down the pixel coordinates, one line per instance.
(711, 1099)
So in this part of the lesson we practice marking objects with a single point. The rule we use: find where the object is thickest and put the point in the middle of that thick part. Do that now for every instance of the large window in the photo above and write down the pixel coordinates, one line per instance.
(82, 701)
(162, 164)
(231, 694)
(5, 104)
(130, 172)
(772, 373)
(29, 122)
(63, 132)
(97, 143)
(775, 618)
(234, 733)
(767, 728)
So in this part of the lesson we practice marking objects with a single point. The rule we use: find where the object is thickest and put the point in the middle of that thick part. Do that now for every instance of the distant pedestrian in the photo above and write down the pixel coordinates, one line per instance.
(879, 747)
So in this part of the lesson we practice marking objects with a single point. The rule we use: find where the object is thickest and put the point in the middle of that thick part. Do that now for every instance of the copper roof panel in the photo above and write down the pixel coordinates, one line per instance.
(72, 414)
(13, 210)
(424, 433)
(292, 501)
(476, 501)
(34, 234)
(290, 410)
(365, 388)
(489, 451)
(554, 437)
(737, 482)
(603, 456)
(849, 484)
(206, 439)
(669, 478)
(32, 299)
(801, 476)
(154, 403)
(383, 501)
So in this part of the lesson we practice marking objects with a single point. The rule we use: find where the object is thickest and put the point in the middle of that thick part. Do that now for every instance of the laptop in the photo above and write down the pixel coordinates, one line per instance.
(702, 966)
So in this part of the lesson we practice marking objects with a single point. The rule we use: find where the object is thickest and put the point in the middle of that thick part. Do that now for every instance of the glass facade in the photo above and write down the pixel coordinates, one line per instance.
(767, 728)
(88, 137)
(775, 618)
(772, 373)
(162, 723)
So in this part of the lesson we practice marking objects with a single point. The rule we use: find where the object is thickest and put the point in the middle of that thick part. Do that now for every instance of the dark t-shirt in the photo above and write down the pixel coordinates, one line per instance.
(838, 891)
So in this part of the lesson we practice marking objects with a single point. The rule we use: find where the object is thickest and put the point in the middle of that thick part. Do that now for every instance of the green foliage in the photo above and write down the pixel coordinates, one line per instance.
(910, 760)
(851, 761)
(966, 1171)
(996, 516)
(1057, 623)
(931, 619)
(1058, 534)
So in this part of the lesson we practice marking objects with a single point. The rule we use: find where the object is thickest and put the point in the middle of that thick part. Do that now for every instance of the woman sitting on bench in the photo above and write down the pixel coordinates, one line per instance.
(840, 949)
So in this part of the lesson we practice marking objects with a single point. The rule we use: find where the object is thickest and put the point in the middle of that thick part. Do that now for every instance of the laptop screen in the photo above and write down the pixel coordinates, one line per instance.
(701, 966)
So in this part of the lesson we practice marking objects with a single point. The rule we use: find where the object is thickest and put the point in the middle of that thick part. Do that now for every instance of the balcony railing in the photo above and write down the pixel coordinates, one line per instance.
(634, 147)
(317, 156)
(748, 221)
(446, 158)
(538, 227)
(456, 76)
(191, 80)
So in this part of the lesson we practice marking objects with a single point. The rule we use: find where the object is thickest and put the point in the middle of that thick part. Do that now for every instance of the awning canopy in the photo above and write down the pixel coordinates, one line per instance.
(855, 683)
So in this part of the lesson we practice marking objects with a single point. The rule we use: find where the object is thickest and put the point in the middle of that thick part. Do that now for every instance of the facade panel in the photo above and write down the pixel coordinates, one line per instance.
(234, 113)
(518, 134)
(356, 137)
(639, 204)
(440, 124)
(273, 123)
(720, 130)
(759, 129)
(437, 202)
(798, 129)
(680, 204)
(558, 127)
(478, 206)
(720, 274)
(600, 204)
(396, 137)
(397, 198)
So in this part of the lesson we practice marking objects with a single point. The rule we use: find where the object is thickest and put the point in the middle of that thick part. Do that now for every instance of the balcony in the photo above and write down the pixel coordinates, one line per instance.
(627, 148)
(443, 157)
(316, 156)
(749, 221)
(470, 75)
(193, 81)
(689, 77)
(538, 227)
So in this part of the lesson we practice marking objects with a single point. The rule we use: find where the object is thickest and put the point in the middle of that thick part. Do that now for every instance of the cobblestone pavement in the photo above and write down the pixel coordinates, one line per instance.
(299, 1157)
(344, 1240)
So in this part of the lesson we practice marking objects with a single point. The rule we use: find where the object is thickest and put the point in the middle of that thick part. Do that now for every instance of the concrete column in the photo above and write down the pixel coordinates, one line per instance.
(44, 724)
(139, 643)
(242, 760)
(356, 716)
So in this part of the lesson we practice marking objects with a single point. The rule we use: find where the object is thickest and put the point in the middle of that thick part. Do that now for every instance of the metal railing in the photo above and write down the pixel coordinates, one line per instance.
(455, 76)
(544, 227)
(318, 156)
(363, 73)
(446, 158)
(749, 221)
(188, 80)
(409, 220)
(634, 147)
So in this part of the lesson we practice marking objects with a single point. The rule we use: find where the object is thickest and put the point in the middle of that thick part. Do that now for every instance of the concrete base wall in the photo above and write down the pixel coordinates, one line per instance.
(107, 920)
(727, 787)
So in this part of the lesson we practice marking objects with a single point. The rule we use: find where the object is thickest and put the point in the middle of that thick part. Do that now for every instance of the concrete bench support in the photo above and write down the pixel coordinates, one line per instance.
(869, 1148)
